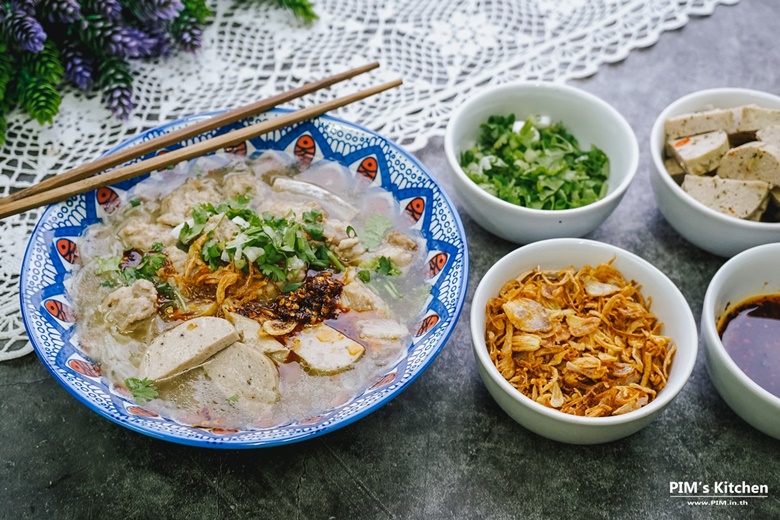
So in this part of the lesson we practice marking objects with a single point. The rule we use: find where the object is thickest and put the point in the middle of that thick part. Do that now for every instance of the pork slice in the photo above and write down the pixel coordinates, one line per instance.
(243, 184)
(752, 161)
(674, 169)
(325, 350)
(754, 118)
(253, 335)
(737, 198)
(176, 207)
(769, 135)
(138, 233)
(360, 298)
(381, 329)
(700, 154)
(696, 123)
(186, 346)
(245, 376)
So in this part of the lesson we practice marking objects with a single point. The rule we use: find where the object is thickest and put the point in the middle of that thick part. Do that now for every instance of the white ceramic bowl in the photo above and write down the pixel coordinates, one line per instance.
(704, 227)
(750, 273)
(591, 120)
(667, 303)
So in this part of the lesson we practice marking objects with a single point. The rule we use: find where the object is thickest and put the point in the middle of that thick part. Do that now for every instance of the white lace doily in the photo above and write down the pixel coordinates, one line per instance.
(444, 49)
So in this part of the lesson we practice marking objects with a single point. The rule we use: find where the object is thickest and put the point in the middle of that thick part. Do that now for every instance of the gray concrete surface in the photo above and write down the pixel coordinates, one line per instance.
(443, 448)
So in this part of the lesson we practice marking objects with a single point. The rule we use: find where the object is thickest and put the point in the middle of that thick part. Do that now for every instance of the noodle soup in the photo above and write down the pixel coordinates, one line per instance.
(249, 294)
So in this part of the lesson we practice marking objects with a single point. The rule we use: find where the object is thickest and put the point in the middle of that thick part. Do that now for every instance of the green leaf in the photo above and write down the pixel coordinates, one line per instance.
(537, 167)
(40, 99)
(143, 389)
(375, 230)
(364, 276)
(108, 264)
(232, 399)
(290, 287)
(386, 267)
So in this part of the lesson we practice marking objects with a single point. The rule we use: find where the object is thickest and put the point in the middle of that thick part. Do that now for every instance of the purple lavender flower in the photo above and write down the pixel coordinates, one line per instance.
(108, 9)
(117, 84)
(22, 28)
(65, 11)
(78, 68)
(119, 100)
(188, 33)
(28, 6)
(103, 36)
(145, 45)
(156, 9)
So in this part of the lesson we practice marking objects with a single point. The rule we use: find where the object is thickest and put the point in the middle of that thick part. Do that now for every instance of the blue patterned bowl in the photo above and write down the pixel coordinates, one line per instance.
(46, 268)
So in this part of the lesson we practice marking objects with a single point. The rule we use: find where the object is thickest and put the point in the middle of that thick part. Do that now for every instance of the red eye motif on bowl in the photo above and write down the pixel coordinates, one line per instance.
(427, 324)
(305, 149)
(108, 198)
(67, 248)
(368, 168)
(223, 431)
(415, 208)
(437, 263)
(239, 149)
(386, 379)
(141, 412)
(84, 368)
(59, 310)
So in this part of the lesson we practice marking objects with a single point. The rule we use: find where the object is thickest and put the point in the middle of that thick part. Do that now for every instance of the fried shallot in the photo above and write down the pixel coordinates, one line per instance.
(583, 342)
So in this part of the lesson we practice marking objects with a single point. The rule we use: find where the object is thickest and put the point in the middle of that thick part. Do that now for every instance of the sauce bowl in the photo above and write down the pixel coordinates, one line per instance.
(750, 273)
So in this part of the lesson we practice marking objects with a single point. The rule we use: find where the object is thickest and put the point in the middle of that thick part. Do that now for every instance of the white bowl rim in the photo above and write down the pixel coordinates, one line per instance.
(668, 393)
(676, 189)
(709, 325)
(616, 193)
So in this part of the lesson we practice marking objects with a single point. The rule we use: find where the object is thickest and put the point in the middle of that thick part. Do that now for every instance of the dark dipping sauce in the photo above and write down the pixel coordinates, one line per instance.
(750, 331)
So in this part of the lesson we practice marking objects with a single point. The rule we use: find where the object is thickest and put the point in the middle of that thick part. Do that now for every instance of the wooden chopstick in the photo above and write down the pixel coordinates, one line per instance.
(190, 152)
(177, 136)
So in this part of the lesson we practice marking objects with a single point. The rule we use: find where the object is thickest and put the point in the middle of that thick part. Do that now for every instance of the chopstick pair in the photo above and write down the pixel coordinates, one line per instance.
(84, 178)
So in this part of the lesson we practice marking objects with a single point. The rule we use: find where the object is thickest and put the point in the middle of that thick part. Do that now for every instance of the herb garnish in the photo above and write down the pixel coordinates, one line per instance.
(375, 230)
(279, 246)
(143, 389)
(539, 167)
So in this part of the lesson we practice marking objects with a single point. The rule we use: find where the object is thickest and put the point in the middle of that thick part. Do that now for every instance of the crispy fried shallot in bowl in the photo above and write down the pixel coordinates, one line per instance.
(580, 341)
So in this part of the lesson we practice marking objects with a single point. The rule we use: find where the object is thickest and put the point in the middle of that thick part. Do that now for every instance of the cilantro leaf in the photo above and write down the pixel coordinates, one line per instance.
(108, 264)
(143, 390)
(364, 276)
(387, 267)
(539, 167)
(375, 230)
(381, 265)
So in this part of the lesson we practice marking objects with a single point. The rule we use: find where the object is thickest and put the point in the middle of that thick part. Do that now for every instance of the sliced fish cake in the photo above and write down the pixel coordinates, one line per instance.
(186, 346)
(325, 350)
(245, 376)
